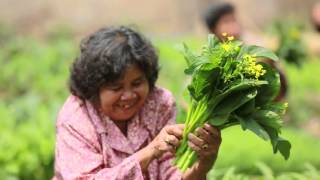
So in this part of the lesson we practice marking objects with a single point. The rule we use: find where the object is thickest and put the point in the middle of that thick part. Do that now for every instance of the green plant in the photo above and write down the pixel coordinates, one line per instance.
(291, 47)
(228, 88)
(308, 172)
(32, 87)
(304, 92)
(244, 149)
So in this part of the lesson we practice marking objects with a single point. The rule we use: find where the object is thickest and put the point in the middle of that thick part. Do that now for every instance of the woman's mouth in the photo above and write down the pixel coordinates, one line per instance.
(126, 106)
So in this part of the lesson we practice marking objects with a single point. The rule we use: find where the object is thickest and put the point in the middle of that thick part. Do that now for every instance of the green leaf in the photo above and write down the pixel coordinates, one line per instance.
(195, 65)
(244, 84)
(278, 143)
(273, 134)
(265, 170)
(236, 86)
(284, 147)
(218, 120)
(277, 107)
(259, 52)
(234, 101)
(203, 82)
(221, 113)
(188, 55)
(213, 41)
(252, 125)
(247, 108)
(268, 118)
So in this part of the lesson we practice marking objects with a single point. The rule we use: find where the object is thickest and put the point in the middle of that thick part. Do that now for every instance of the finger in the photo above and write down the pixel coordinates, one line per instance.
(194, 147)
(212, 130)
(167, 148)
(171, 145)
(204, 135)
(172, 140)
(180, 126)
(195, 140)
(175, 130)
(171, 148)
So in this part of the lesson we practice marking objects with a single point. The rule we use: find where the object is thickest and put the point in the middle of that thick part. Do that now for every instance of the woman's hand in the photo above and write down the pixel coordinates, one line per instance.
(205, 142)
(166, 141)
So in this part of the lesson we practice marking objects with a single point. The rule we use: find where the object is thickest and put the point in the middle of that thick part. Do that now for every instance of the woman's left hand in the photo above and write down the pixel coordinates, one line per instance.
(205, 142)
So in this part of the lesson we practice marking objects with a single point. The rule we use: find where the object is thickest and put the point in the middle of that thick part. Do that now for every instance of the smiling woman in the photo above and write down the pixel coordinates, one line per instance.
(117, 124)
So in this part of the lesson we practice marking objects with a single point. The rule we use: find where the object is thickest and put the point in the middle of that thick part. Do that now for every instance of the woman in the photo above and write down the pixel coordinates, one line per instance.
(117, 124)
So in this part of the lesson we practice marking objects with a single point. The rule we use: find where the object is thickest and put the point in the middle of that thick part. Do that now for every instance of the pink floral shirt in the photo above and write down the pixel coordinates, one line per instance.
(88, 147)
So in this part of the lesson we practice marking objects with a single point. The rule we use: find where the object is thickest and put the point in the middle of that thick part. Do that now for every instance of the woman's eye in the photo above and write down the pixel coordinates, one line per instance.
(137, 83)
(115, 88)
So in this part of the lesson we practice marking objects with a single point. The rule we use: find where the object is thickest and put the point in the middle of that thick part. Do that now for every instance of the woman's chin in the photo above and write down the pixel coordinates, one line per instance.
(125, 115)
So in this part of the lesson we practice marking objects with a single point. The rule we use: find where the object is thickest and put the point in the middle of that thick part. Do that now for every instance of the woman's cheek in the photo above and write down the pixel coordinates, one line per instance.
(109, 99)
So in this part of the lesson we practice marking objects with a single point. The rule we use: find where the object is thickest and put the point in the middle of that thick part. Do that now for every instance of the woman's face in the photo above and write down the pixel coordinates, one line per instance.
(122, 99)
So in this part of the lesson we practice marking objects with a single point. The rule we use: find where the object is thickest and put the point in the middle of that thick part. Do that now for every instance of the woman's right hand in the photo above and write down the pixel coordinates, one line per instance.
(168, 140)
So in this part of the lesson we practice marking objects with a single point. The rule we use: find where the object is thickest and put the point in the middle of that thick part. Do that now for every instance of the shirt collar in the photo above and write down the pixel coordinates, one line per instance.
(137, 133)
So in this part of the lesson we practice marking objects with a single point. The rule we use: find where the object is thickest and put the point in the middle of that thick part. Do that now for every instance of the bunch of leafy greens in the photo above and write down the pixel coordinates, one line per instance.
(230, 87)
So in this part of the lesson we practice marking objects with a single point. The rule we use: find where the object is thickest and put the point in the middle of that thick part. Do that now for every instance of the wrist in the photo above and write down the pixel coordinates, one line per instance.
(206, 164)
(145, 156)
(197, 171)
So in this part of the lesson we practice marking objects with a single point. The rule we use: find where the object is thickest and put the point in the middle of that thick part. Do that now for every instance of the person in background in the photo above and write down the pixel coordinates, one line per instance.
(221, 18)
(117, 124)
(313, 39)
(315, 16)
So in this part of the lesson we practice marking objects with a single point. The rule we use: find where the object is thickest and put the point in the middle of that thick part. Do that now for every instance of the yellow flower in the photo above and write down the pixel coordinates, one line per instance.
(259, 71)
(286, 105)
(257, 75)
(224, 34)
(250, 59)
(226, 47)
(259, 67)
(230, 38)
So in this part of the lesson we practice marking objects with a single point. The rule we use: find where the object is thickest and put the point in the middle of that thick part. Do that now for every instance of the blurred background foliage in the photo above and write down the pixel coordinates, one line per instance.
(291, 46)
(33, 86)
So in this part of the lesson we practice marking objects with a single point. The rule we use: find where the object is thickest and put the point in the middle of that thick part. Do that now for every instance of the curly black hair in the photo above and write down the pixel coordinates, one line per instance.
(104, 57)
(215, 12)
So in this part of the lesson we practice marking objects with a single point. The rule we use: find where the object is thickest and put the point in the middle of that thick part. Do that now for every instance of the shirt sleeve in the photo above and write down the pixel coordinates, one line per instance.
(167, 170)
(168, 116)
(77, 158)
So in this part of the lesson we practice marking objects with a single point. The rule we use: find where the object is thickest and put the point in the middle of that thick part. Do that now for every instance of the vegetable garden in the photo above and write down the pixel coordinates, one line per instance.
(33, 86)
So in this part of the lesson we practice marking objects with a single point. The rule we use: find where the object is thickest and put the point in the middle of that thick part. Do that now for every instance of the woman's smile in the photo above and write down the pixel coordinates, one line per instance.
(127, 105)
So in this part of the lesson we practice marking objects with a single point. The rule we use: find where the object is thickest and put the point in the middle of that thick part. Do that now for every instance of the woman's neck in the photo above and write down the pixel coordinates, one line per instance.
(122, 125)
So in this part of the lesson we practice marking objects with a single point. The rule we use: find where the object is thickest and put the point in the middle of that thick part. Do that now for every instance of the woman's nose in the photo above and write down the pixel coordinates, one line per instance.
(127, 95)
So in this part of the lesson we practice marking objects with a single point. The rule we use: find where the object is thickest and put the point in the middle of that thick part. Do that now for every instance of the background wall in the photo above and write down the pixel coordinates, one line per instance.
(159, 17)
